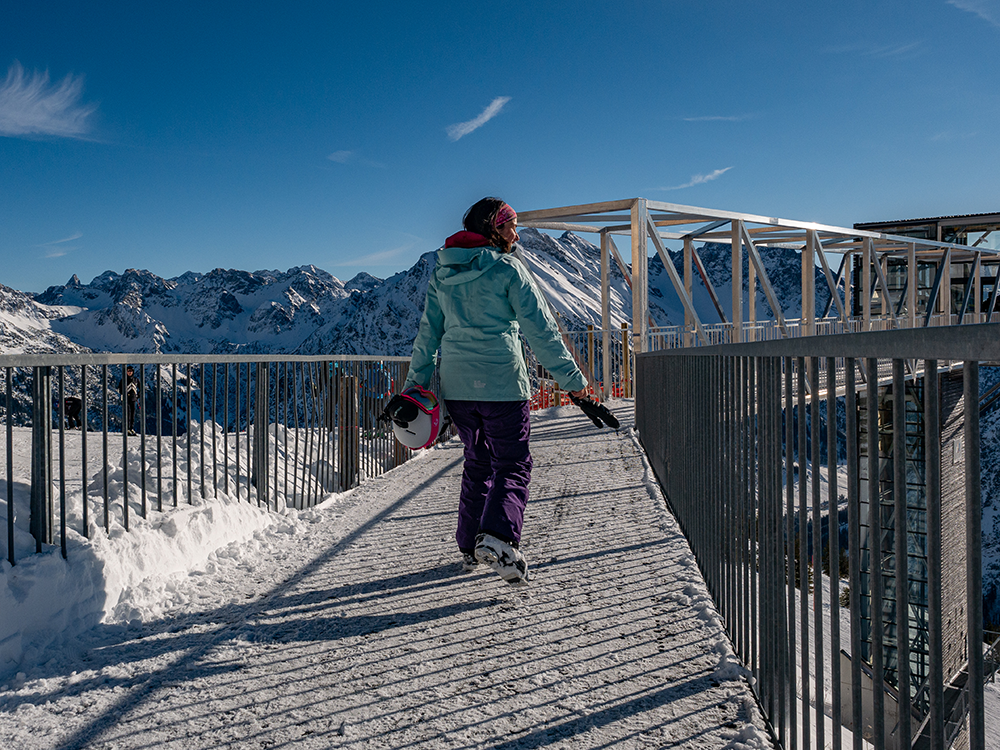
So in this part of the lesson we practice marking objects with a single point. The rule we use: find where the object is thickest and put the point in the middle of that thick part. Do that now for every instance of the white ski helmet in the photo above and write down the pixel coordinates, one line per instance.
(416, 418)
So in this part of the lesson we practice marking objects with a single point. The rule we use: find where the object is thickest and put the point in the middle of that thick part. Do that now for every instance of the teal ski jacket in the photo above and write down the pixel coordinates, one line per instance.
(477, 301)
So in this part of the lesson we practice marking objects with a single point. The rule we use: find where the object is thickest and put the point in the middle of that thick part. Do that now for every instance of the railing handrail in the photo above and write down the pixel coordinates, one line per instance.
(117, 358)
(735, 439)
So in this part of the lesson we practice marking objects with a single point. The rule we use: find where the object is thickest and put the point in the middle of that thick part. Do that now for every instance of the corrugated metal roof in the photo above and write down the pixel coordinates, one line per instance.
(928, 220)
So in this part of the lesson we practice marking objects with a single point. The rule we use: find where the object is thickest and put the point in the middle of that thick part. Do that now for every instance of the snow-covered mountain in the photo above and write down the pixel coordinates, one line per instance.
(305, 310)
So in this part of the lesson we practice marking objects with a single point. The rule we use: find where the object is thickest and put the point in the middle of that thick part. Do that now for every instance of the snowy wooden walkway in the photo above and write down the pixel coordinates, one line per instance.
(364, 632)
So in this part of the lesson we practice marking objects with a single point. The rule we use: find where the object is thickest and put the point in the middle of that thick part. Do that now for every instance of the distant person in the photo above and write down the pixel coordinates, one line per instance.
(479, 298)
(128, 387)
(72, 406)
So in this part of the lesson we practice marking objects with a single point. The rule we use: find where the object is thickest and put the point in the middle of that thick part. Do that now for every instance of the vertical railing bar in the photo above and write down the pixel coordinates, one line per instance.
(201, 425)
(142, 437)
(104, 442)
(62, 460)
(833, 524)
(225, 431)
(769, 523)
(803, 570)
(239, 415)
(974, 557)
(324, 433)
(875, 536)
(903, 731)
(283, 380)
(84, 429)
(295, 416)
(854, 545)
(308, 395)
(284, 370)
(328, 423)
(187, 432)
(742, 565)
(790, 556)
(320, 405)
(176, 417)
(159, 438)
(215, 429)
(252, 453)
(770, 408)
(311, 434)
(817, 553)
(932, 469)
(277, 414)
(249, 446)
(767, 408)
(11, 558)
(126, 426)
(725, 498)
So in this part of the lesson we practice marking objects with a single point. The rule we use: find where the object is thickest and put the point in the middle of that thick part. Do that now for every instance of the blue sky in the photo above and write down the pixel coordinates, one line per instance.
(352, 136)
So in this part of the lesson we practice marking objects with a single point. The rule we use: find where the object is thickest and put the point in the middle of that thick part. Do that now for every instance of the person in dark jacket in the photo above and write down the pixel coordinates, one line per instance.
(479, 299)
(128, 386)
(72, 406)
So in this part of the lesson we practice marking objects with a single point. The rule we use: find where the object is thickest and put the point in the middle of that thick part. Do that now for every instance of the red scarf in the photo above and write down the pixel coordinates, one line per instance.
(466, 239)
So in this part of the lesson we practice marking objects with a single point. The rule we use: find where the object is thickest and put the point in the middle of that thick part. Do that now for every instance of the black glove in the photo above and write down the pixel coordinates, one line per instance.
(599, 414)
(390, 408)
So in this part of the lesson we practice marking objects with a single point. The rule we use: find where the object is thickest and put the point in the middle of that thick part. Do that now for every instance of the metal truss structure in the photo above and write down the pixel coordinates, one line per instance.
(872, 253)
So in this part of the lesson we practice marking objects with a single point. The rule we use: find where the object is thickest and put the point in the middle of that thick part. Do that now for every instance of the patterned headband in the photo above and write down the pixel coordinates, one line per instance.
(505, 214)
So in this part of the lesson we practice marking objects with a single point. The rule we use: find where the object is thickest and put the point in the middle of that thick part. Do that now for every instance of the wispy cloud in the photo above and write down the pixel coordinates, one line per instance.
(59, 248)
(875, 50)
(985, 9)
(30, 105)
(379, 258)
(948, 136)
(699, 179)
(718, 118)
(460, 129)
(353, 157)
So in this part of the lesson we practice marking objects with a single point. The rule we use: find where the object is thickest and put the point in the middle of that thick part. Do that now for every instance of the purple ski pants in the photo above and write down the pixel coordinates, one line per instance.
(497, 468)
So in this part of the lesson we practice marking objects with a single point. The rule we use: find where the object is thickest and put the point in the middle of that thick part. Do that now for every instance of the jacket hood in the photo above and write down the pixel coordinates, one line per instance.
(458, 265)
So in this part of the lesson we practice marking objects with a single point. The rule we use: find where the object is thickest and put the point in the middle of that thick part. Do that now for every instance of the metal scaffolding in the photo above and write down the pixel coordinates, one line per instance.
(861, 298)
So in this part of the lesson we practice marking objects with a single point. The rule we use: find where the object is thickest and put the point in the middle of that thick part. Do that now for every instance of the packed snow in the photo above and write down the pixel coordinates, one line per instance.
(223, 624)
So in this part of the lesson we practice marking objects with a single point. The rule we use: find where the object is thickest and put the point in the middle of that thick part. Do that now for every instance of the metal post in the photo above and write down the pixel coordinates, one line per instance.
(260, 476)
(854, 546)
(817, 548)
(40, 518)
(84, 428)
(790, 536)
(974, 557)
(142, 435)
(833, 523)
(62, 461)
(876, 572)
(932, 480)
(900, 552)
(9, 371)
(803, 560)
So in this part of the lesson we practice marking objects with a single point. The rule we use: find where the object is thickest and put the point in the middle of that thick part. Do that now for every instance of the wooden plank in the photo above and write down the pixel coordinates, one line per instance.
(677, 282)
(831, 282)
(772, 298)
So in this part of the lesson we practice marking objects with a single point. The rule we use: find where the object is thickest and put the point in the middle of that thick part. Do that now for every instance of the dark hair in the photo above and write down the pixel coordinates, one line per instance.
(481, 219)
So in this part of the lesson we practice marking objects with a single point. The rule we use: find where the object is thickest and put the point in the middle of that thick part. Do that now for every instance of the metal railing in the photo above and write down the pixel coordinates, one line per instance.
(278, 432)
(738, 438)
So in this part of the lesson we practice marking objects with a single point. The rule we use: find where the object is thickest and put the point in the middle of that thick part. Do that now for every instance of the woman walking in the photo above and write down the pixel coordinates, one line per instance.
(478, 300)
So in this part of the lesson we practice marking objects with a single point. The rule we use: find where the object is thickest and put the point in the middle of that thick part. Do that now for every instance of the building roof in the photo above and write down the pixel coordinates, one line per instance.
(988, 218)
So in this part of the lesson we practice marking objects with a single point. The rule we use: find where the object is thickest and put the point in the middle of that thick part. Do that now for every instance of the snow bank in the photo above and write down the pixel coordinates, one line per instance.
(115, 576)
